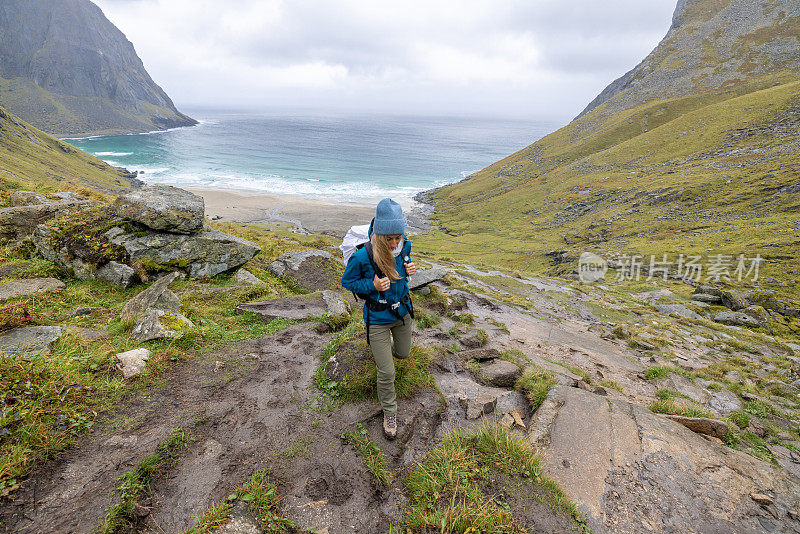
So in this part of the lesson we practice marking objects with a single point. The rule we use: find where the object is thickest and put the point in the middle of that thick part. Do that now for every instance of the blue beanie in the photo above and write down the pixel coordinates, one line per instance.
(389, 218)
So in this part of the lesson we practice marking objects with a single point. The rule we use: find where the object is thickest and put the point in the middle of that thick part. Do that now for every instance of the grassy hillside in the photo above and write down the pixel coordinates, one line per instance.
(31, 159)
(714, 172)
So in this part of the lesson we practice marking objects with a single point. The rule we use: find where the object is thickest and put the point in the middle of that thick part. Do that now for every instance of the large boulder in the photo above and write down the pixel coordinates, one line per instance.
(203, 254)
(312, 269)
(28, 286)
(738, 318)
(424, 277)
(30, 340)
(630, 470)
(19, 222)
(317, 304)
(163, 207)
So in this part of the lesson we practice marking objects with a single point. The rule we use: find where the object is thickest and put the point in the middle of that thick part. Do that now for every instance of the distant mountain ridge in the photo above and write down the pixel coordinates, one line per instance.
(710, 44)
(66, 69)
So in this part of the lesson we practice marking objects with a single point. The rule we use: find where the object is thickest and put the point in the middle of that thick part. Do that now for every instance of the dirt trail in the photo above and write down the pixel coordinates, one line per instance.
(243, 408)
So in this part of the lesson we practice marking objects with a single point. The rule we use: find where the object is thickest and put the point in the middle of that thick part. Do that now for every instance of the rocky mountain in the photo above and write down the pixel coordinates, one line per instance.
(710, 45)
(66, 69)
(693, 152)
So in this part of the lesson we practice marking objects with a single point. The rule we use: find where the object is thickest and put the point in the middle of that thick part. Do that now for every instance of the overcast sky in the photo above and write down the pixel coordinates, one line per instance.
(530, 58)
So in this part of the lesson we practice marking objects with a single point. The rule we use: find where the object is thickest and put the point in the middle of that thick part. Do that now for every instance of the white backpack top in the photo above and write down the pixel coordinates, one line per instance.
(356, 235)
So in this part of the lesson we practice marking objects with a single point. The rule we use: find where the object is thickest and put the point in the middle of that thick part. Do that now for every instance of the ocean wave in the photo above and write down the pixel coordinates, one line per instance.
(149, 170)
(113, 154)
(281, 185)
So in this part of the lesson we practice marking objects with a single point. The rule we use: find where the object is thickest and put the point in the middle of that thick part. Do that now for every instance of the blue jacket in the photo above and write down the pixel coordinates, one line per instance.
(358, 277)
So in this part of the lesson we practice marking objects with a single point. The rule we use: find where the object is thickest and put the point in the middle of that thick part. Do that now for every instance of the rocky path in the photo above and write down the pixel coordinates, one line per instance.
(255, 406)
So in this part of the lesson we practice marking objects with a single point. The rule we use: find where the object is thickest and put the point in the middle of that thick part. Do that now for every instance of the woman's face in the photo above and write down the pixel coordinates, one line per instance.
(393, 240)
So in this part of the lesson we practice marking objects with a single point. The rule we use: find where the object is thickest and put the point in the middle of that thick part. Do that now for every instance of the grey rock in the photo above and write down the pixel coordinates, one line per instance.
(317, 304)
(756, 427)
(163, 207)
(677, 309)
(611, 457)
(424, 277)
(704, 289)
(480, 355)
(27, 198)
(30, 198)
(240, 521)
(480, 405)
(795, 347)
(131, 363)
(500, 373)
(28, 286)
(136, 308)
(705, 298)
(20, 222)
(764, 298)
(152, 325)
(702, 425)
(88, 335)
(246, 277)
(168, 301)
(204, 254)
(723, 402)
(471, 338)
(737, 319)
(116, 274)
(312, 269)
(655, 294)
(734, 300)
(756, 312)
(30, 340)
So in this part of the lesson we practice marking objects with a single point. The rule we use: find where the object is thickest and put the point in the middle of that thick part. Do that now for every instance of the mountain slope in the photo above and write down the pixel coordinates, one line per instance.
(66, 69)
(701, 164)
(31, 159)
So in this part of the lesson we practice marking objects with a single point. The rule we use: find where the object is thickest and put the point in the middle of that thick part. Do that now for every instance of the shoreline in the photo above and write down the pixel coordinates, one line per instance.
(307, 215)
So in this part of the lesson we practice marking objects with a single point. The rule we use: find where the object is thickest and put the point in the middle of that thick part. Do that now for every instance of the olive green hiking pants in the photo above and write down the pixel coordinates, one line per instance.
(387, 341)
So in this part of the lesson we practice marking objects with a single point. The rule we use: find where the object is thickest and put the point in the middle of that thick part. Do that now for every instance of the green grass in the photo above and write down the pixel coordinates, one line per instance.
(261, 495)
(31, 159)
(670, 407)
(53, 399)
(534, 383)
(612, 384)
(658, 372)
(427, 320)
(445, 490)
(370, 454)
(135, 484)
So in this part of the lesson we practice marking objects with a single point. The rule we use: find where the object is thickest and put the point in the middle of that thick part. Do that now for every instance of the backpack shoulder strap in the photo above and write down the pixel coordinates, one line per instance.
(371, 257)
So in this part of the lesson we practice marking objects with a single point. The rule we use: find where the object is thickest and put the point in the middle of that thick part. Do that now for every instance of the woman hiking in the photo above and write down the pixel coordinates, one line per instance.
(377, 272)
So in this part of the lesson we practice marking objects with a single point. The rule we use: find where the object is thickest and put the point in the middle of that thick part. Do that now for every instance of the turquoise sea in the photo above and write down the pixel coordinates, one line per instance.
(328, 157)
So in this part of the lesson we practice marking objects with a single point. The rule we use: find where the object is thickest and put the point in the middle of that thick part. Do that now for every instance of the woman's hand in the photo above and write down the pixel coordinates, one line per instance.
(381, 284)
(410, 268)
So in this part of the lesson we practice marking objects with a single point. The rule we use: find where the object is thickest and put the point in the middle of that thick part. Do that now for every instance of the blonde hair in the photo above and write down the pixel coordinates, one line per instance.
(382, 254)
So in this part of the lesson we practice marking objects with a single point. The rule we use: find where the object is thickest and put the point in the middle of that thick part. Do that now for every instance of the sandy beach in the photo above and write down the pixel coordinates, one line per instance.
(313, 216)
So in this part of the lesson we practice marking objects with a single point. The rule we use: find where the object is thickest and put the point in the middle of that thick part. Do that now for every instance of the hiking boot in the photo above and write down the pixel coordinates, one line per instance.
(390, 426)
